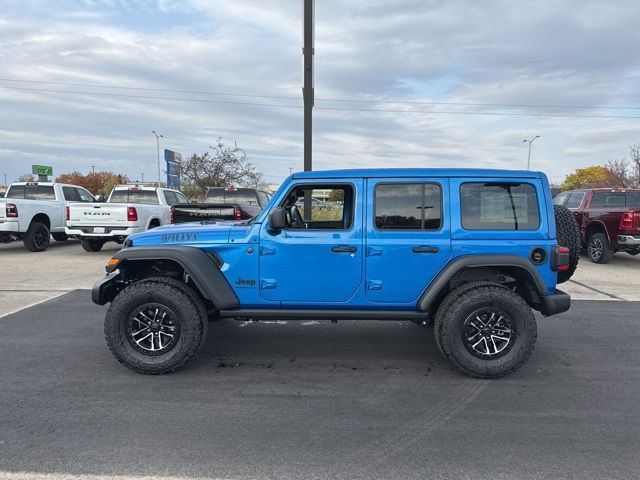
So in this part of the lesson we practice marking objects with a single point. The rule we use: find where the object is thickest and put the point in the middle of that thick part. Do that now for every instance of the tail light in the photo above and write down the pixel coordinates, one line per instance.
(626, 222)
(237, 213)
(68, 213)
(12, 210)
(171, 215)
(132, 214)
(630, 220)
(560, 260)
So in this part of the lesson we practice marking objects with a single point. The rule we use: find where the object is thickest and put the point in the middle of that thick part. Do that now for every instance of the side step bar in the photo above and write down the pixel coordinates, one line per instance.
(299, 314)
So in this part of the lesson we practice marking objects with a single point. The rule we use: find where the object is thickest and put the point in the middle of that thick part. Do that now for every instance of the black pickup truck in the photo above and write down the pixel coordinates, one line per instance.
(222, 203)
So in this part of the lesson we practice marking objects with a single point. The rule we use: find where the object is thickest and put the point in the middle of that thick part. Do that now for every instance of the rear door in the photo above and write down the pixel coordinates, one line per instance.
(408, 237)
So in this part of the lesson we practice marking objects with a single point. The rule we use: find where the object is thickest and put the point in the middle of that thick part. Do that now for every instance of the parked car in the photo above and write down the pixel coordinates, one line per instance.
(608, 219)
(474, 251)
(129, 209)
(35, 211)
(223, 204)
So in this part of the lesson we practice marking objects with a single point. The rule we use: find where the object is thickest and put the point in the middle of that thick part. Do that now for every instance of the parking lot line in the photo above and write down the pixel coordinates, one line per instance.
(59, 293)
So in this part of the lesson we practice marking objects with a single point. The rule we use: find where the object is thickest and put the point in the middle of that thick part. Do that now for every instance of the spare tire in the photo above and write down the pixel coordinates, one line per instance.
(568, 235)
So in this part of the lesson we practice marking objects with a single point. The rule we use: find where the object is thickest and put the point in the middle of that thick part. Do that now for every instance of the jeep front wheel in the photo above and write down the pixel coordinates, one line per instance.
(487, 332)
(154, 327)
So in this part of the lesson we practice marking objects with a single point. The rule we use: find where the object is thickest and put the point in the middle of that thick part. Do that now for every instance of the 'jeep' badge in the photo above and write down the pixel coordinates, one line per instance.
(245, 283)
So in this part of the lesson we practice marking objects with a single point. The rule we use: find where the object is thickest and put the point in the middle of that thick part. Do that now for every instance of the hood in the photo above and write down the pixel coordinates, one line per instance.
(195, 234)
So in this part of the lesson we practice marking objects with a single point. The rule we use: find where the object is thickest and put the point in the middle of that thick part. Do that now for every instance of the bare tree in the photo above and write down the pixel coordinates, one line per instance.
(221, 166)
(634, 176)
(27, 177)
(618, 172)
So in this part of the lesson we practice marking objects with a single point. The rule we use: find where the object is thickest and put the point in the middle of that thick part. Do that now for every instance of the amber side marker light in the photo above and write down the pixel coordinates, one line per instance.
(112, 262)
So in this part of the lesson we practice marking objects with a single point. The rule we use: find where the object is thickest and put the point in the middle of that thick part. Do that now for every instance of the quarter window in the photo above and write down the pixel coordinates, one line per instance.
(408, 206)
(499, 206)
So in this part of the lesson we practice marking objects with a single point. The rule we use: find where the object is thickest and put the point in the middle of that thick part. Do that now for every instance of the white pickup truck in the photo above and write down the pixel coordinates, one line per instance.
(33, 211)
(129, 209)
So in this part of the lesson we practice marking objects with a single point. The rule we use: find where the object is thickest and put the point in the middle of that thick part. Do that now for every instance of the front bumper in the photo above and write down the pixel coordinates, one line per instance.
(109, 232)
(556, 302)
(629, 240)
(104, 290)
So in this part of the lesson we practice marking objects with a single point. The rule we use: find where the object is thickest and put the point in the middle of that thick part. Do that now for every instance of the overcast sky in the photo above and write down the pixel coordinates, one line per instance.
(555, 54)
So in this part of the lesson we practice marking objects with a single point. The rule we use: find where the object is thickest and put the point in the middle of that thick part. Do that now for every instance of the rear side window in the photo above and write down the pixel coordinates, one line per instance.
(499, 206)
(408, 206)
(575, 200)
(148, 197)
(70, 194)
(170, 198)
(15, 191)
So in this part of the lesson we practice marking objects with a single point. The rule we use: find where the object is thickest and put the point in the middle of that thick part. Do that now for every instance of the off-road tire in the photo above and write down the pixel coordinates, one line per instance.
(60, 237)
(188, 309)
(91, 245)
(598, 242)
(568, 235)
(458, 306)
(37, 238)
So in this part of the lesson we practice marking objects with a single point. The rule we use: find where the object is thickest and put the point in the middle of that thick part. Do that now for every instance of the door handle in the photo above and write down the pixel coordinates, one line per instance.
(425, 249)
(344, 249)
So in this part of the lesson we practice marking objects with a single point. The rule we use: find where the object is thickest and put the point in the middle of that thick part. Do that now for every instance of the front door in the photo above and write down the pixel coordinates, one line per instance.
(408, 237)
(318, 257)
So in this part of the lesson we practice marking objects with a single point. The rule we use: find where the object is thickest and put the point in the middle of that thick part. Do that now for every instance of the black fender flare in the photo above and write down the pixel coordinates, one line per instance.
(441, 280)
(200, 267)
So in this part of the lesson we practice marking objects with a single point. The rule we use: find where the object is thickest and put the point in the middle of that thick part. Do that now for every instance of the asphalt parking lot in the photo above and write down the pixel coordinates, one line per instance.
(311, 400)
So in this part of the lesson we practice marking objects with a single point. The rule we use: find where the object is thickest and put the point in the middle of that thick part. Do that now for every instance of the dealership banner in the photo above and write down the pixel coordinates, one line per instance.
(173, 176)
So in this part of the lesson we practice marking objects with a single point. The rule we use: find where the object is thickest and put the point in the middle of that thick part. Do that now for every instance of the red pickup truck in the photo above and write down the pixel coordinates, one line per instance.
(609, 220)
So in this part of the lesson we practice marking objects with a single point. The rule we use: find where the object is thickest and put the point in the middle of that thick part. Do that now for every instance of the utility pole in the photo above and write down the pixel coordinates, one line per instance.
(93, 169)
(142, 175)
(158, 137)
(5, 180)
(308, 51)
(529, 156)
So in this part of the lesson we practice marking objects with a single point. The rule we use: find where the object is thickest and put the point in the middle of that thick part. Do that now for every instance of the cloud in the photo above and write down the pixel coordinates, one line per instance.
(459, 53)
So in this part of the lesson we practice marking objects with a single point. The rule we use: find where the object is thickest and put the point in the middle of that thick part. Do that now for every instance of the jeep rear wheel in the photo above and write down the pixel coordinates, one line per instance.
(487, 332)
(568, 235)
(155, 327)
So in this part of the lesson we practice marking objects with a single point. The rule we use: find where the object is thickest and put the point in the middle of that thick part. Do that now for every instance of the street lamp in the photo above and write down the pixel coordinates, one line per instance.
(158, 137)
(529, 156)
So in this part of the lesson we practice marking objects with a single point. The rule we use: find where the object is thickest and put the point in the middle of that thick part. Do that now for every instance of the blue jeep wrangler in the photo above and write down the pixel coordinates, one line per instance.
(470, 252)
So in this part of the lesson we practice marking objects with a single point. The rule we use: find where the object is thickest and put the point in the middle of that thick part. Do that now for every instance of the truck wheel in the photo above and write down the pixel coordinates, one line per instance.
(92, 245)
(60, 237)
(37, 238)
(488, 332)
(598, 249)
(154, 327)
(568, 235)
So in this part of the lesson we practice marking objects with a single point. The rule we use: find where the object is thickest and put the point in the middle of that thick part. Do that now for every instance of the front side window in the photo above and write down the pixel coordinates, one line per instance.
(560, 199)
(499, 206)
(410, 206)
(181, 198)
(320, 207)
(575, 200)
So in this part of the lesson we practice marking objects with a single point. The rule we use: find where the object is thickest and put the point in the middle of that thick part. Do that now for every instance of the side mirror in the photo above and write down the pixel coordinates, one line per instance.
(277, 219)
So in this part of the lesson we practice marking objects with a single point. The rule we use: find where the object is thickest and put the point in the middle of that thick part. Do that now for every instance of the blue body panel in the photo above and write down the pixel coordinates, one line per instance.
(298, 269)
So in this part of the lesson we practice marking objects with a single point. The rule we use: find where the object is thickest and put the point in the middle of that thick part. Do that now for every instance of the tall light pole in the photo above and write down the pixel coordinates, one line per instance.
(529, 156)
(308, 51)
(158, 137)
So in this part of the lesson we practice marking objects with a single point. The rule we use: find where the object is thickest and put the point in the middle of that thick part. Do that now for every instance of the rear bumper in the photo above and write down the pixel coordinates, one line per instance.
(556, 302)
(87, 232)
(9, 226)
(629, 240)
